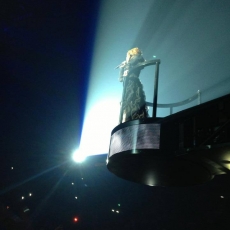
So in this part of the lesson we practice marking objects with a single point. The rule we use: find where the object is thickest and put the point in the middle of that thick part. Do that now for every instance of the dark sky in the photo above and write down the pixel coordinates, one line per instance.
(47, 48)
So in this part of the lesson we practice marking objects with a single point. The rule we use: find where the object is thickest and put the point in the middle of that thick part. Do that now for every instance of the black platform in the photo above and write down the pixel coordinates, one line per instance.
(186, 148)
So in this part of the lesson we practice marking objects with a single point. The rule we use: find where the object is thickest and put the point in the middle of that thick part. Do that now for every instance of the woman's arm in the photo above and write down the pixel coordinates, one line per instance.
(135, 60)
(131, 61)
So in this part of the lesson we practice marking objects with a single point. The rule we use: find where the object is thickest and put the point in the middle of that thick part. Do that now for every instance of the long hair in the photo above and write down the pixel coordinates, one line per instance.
(134, 51)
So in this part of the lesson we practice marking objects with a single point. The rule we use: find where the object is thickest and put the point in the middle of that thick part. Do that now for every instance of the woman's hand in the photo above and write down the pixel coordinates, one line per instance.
(122, 64)
(125, 73)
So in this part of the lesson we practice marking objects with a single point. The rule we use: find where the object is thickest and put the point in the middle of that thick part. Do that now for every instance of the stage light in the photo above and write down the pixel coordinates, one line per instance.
(78, 156)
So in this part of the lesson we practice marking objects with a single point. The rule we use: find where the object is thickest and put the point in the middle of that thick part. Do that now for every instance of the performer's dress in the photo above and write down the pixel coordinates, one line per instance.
(133, 104)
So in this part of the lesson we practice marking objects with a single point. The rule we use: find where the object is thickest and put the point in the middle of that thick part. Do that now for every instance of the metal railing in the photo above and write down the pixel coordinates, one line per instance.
(196, 96)
(157, 62)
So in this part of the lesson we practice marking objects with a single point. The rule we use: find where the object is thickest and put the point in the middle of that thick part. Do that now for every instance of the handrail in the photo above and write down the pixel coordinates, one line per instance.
(172, 105)
(156, 62)
(145, 63)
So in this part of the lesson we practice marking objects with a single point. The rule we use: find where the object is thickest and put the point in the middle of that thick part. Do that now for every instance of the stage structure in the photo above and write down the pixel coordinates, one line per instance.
(186, 148)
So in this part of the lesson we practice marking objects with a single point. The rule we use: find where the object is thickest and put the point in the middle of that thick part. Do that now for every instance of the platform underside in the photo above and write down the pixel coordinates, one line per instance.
(190, 169)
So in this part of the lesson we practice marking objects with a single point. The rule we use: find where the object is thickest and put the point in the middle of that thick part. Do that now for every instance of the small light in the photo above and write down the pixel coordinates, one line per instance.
(12, 168)
(154, 56)
(82, 178)
(221, 197)
(72, 183)
(112, 210)
(7, 207)
(26, 210)
(117, 211)
(75, 219)
(119, 205)
(23, 197)
(30, 194)
(76, 197)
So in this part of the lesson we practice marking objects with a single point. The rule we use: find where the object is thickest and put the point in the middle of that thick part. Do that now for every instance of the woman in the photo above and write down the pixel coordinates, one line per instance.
(133, 100)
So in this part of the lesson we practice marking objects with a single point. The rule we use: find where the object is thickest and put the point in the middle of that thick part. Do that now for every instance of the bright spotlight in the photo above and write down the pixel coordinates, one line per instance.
(78, 156)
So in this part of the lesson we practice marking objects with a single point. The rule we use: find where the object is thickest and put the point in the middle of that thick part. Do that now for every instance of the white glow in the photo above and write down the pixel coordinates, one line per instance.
(98, 124)
(30, 194)
(78, 156)
(112, 210)
(72, 183)
(117, 211)
(76, 197)
(23, 197)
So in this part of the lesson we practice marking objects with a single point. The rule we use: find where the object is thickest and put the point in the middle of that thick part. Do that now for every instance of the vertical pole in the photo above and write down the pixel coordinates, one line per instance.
(198, 97)
(155, 90)
(122, 100)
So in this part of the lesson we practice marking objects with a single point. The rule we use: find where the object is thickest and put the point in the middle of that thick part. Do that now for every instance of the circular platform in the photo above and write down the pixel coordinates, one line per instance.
(148, 151)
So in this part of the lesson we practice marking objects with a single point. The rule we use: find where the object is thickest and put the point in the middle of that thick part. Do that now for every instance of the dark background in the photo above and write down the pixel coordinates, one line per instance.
(46, 53)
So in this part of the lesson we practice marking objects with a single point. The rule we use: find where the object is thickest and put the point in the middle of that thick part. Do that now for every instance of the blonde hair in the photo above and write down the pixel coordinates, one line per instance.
(134, 51)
